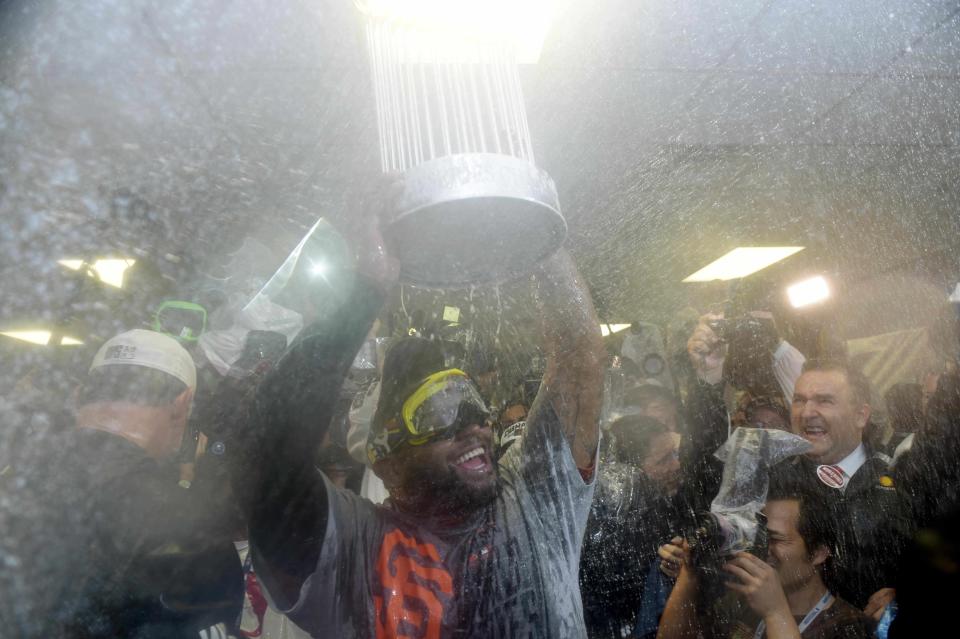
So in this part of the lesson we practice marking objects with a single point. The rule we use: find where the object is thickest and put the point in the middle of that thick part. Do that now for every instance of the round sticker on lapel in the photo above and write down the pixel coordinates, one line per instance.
(830, 475)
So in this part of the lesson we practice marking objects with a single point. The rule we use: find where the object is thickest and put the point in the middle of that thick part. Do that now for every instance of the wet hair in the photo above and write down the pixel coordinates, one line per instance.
(134, 384)
(815, 524)
(632, 437)
(859, 384)
(644, 394)
(407, 363)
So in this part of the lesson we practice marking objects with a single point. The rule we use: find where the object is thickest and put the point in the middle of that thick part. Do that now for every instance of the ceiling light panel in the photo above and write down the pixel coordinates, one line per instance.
(610, 329)
(741, 262)
(108, 271)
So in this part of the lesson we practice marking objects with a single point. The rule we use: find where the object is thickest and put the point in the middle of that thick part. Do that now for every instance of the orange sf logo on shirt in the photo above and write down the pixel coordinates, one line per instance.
(415, 588)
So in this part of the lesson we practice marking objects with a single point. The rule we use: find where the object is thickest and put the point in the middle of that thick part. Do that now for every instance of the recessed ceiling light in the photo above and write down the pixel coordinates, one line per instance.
(34, 337)
(808, 292)
(741, 262)
(108, 271)
(610, 329)
(40, 337)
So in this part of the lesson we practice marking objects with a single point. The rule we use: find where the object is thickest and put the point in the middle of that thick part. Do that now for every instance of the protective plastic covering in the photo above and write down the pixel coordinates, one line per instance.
(284, 304)
(367, 357)
(747, 456)
(615, 385)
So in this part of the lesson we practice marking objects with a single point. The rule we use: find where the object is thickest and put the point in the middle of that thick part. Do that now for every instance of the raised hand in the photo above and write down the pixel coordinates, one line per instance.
(706, 350)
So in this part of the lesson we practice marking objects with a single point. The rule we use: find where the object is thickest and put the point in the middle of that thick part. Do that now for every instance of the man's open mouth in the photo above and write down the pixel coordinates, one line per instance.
(814, 431)
(474, 460)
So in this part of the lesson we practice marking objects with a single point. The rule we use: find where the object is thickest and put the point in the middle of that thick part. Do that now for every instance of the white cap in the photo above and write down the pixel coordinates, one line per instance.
(151, 349)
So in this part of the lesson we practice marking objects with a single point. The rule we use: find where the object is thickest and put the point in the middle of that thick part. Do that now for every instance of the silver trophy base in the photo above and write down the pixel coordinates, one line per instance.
(475, 218)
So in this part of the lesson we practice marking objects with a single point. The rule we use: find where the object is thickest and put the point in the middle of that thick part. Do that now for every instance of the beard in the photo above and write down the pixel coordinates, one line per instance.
(443, 491)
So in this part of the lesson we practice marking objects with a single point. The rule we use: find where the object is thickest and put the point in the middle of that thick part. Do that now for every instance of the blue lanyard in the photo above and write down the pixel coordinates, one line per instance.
(825, 601)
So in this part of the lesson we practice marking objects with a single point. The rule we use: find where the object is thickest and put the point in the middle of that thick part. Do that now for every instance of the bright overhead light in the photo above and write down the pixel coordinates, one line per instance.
(108, 271)
(522, 23)
(40, 337)
(808, 292)
(34, 337)
(610, 329)
(741, 262)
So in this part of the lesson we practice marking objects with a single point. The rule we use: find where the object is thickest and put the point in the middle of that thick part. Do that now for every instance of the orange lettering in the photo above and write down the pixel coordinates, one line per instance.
(413, 591)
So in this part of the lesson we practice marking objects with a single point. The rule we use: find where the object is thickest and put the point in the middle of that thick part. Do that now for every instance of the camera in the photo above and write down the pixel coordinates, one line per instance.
(715, 538)
(751, 342)
(742, 329)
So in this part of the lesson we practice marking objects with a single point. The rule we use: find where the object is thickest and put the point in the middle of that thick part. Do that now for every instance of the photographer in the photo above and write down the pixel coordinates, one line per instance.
(745, 353)
(783, 596)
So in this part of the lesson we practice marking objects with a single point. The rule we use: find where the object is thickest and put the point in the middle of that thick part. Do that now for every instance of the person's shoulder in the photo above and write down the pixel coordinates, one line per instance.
(793, 470)
(877, 474)
(842, 620)
(346, 499)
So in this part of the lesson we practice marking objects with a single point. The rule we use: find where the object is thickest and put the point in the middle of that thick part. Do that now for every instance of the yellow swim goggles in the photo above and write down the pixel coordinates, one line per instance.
(442, 403)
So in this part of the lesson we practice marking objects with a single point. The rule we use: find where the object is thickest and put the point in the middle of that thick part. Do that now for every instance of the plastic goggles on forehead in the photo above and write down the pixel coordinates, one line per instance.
(443, 401)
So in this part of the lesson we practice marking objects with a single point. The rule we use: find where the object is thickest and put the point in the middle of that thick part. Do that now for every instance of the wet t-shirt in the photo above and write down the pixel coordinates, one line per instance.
(510, 571)
(839, 621)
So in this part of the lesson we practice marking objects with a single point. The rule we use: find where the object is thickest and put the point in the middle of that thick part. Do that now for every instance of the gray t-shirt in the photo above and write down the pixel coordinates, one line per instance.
(511, 571)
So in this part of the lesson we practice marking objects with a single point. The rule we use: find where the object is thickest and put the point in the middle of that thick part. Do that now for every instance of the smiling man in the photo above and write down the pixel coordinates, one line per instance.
(466, 546)
(830, 409)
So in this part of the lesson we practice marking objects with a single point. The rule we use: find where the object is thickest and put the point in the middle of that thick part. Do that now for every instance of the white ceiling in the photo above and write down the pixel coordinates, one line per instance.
(675, 129)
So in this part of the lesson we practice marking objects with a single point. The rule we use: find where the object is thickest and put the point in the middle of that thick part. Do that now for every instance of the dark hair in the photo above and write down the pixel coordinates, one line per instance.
(632, 436)
(135, 384)
(859, 384)
(408, 361)
(642, 395)
(816, 524)
(770, 402)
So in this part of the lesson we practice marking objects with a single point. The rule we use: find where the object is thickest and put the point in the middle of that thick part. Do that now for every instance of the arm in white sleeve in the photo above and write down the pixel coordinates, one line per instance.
(787, 366)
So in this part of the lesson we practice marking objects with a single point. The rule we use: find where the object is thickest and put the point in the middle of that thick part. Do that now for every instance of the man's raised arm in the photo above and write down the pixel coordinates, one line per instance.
(573, 381)
(277, 483)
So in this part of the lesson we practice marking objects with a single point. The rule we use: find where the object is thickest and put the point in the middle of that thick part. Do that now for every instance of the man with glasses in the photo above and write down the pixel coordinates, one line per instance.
(467, 546)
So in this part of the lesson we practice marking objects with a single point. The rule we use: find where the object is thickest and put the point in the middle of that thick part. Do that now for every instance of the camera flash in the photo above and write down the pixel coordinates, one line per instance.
(807, 292)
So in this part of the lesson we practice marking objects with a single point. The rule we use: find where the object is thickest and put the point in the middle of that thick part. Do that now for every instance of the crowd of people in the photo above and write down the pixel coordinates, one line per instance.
(420, 498)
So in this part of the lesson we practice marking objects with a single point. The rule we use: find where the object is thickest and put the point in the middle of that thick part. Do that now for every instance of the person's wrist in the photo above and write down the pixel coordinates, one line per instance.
(778, 614)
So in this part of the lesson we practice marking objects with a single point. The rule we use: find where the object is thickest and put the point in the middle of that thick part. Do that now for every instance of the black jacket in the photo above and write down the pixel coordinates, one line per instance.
(628, 521)
(871, 522)
(707, 430)
(104, 543)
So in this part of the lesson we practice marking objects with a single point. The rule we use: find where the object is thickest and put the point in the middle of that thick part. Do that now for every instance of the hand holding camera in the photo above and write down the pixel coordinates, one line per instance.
(674, 556)
(759, 585)
(707, 350)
